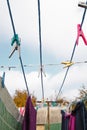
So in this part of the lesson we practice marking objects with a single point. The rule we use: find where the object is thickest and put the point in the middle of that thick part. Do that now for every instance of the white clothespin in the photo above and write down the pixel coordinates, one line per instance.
(41, 70)
(82, 4)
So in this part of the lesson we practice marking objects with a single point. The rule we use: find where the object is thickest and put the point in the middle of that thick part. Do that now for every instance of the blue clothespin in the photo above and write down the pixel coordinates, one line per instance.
(16, 45)
(3, 80)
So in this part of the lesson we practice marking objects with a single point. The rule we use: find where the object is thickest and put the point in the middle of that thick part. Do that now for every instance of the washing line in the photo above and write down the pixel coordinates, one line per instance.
(40, 43)
(65, 63)
(17, 45)
(83, 17)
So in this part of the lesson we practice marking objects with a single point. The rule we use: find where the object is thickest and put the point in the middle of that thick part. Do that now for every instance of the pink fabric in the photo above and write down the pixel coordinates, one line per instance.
(22, 110)
(67, 115)
(80, 34)
(72, 122)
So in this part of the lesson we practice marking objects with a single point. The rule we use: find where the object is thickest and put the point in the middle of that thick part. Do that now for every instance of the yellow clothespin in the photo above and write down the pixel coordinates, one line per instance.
(67, 63)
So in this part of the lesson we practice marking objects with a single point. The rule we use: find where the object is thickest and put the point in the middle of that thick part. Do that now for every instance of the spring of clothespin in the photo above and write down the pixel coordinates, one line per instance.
(16, 45)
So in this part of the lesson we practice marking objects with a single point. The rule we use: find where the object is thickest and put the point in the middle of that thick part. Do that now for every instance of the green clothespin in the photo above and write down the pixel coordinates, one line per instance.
(16, 46)
(15, 39)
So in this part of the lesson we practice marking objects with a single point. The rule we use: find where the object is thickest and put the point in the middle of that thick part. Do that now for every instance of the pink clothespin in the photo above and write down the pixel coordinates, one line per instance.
(80, 34)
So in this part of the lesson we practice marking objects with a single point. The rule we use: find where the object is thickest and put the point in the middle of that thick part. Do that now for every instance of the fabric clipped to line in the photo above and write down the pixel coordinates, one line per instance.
(29, 121)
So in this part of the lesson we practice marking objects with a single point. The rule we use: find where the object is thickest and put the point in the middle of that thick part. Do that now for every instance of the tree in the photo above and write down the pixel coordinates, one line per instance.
(20, 98)
(82, 92)
(63, 101)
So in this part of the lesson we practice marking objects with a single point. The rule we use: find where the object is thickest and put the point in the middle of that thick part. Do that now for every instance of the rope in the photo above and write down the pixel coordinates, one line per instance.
(24, 74)
(11, 17)
(83, 16)
(41, 66)
(45, 65)
(71, 55)
(13, 27)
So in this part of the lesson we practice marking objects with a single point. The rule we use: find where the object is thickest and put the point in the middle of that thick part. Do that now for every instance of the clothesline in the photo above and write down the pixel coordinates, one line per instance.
(65, 63)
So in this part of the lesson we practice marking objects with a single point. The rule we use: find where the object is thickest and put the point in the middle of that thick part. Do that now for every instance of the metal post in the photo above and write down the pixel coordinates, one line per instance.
(48, 117)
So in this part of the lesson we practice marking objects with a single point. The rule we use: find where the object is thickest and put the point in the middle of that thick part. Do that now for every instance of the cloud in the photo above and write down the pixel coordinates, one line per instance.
(75, 79)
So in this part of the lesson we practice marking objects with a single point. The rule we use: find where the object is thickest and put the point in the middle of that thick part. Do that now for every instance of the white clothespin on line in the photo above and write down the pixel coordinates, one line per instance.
(41, 70)
(82, 4)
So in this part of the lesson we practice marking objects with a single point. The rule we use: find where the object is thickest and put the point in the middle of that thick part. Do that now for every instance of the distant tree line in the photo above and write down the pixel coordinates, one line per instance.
(20, 97)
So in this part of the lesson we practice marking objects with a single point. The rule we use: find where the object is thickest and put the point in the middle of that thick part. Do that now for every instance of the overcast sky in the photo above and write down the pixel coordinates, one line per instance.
(59, 21)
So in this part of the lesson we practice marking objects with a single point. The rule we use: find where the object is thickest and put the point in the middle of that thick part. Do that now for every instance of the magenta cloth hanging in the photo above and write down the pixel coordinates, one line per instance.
(29, 122)
(80, 34)
(72, 122)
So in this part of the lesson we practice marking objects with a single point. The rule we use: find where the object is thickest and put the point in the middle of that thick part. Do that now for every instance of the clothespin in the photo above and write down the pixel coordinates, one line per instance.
(67, 63)
(41, 70)
(80, 34)
(10, 67)
(16, 45)
(82, 4)
(2, 80)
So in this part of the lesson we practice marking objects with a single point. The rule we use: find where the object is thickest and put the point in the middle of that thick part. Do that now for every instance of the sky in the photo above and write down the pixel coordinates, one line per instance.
(59, 21)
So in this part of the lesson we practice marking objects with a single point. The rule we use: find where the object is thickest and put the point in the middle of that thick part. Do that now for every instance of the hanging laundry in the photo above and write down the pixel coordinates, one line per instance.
(29, 122)
(72, 122)
(75, 120)
(80, 34)
(22, 111)
(65, 120)
(81, 116)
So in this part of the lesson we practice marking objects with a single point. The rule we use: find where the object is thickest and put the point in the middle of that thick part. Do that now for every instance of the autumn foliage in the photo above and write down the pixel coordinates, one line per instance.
(20, 98)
